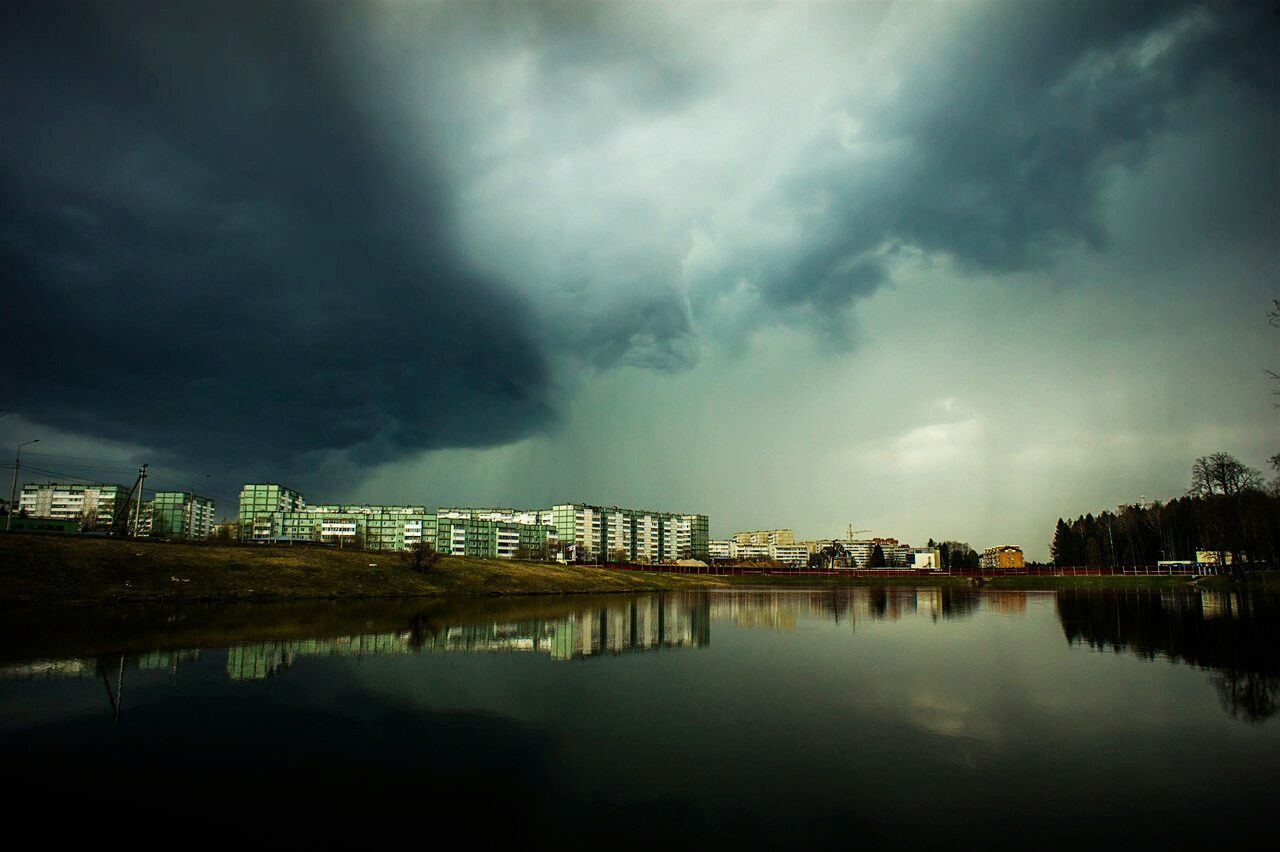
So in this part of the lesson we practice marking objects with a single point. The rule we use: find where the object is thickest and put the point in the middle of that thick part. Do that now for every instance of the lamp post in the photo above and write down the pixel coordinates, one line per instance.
(13, 492)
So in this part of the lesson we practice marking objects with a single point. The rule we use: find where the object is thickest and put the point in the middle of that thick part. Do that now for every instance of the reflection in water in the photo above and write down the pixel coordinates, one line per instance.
(780, 609)
(563, 630)
(641, 623)
(1233, 634)
(343, 724)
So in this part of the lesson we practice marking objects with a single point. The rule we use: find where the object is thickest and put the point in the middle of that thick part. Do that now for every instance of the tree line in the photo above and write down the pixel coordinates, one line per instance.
(1229, 511)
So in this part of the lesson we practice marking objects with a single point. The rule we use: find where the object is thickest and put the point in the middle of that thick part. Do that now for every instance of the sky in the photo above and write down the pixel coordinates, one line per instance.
(945, 270)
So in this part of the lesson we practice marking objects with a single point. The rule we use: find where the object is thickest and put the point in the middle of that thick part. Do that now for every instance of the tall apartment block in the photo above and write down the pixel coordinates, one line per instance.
(640, 535)
(92, 505)
(504, 533)
(260, 507)
(270, 512)
(181, 515)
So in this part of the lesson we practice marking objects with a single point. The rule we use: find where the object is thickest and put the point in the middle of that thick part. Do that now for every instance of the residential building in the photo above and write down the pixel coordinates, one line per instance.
(92, 505)
(363, 526)
(1003, 557)
(638, 535)
(181, 515)
(926, 559)
(765, 537)
(719, 548)
(260, 507)
(271, 512)
(462, 532)
(750, 551)
(795, 555)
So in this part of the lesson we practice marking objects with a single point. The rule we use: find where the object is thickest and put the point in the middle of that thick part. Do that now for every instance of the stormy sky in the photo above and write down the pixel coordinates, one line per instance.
(946, 270)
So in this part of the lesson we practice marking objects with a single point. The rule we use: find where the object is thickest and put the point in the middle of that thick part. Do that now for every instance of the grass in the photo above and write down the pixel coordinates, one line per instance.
(41, 569)
(37, 569)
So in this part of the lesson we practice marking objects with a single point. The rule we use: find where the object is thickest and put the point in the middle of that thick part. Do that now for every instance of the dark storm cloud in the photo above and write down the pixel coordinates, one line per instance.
(251, 231)
(999, 137)
(208, 246)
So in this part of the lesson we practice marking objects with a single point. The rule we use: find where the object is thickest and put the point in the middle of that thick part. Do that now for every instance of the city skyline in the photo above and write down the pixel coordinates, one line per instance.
(937, 271)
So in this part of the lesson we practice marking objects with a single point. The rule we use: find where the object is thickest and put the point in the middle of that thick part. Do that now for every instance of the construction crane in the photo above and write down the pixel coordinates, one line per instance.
(852, 532)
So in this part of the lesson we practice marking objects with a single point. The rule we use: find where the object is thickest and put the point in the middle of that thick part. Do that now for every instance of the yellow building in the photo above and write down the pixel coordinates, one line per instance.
(1004, 557)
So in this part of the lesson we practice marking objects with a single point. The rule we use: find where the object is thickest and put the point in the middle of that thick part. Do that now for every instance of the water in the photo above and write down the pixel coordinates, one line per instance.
(750, 719)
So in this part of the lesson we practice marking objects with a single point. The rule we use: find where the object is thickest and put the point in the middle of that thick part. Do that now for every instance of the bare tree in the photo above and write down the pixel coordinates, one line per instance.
(1222, 474)
(420, 556)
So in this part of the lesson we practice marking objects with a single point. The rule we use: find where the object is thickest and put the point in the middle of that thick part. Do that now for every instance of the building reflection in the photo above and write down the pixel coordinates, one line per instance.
(631, 625)
(1234, 635)
(781, 609)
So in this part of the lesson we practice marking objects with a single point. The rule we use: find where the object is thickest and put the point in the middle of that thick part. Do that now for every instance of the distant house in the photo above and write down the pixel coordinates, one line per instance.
(1003, 557)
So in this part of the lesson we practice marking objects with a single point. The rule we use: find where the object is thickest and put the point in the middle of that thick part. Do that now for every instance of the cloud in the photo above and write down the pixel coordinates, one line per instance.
(269, 231)
(208, 248)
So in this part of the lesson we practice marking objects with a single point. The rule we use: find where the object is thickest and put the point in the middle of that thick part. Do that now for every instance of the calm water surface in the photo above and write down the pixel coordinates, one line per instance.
(751, 719)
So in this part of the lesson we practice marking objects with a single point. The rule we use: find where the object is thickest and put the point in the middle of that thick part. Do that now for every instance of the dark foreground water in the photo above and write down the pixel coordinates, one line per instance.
(858, 718)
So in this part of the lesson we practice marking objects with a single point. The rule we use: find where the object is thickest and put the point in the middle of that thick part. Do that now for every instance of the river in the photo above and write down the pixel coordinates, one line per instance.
(749, 718)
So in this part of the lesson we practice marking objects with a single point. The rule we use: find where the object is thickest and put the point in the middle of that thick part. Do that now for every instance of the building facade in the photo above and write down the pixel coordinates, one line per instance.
(91, 505)
(491, 532)
(612, 533)
(926, 559)
(181, 516)
(1004, 557)
(765, 537)
(261, 505)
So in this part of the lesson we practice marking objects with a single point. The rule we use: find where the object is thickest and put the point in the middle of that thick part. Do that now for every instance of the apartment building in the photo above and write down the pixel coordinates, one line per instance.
(637, 535)
(795, 555)
(92, 505)
(261, 505)
(181, 516)
(1003, 557)
(765, 537)
(495, 532)
(273, 512)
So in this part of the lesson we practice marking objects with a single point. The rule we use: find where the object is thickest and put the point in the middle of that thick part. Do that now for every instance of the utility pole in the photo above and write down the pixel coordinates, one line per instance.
(137, 506)
(13, 492)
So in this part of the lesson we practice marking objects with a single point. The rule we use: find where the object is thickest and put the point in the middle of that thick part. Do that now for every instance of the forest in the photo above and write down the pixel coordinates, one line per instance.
(1228, 511)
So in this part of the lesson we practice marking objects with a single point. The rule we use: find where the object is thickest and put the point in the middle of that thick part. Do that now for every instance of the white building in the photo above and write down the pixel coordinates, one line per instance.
(92, 505)
(926, 559)
(795, 555)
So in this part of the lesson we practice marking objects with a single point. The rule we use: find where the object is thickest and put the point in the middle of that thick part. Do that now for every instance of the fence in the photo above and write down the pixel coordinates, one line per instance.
(740, 570)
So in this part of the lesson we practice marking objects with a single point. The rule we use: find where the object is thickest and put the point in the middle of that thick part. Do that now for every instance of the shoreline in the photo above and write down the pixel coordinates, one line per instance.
(51, 570)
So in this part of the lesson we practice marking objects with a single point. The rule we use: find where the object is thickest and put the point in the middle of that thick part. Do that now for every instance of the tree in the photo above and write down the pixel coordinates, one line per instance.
(619, 555)
(1062, 548)
(877, 557)
(1222, 474)
(1222, 481)
(420, 556)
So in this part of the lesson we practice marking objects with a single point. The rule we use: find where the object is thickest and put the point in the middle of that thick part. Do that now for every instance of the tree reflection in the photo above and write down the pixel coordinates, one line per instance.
(1233, 634)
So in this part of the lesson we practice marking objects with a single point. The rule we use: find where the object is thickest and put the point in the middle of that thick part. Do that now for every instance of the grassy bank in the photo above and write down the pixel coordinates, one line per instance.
(37, 569)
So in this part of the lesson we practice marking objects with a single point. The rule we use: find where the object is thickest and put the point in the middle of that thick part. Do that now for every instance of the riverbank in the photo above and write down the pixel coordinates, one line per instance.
(39, 569)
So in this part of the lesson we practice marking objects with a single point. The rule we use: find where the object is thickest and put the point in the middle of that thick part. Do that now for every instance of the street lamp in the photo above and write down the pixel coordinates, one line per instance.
(13, 492)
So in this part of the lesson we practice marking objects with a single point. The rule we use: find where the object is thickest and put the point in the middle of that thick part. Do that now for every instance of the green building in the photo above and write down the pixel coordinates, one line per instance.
(501, 533)
(260, 505)
(181, 515)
